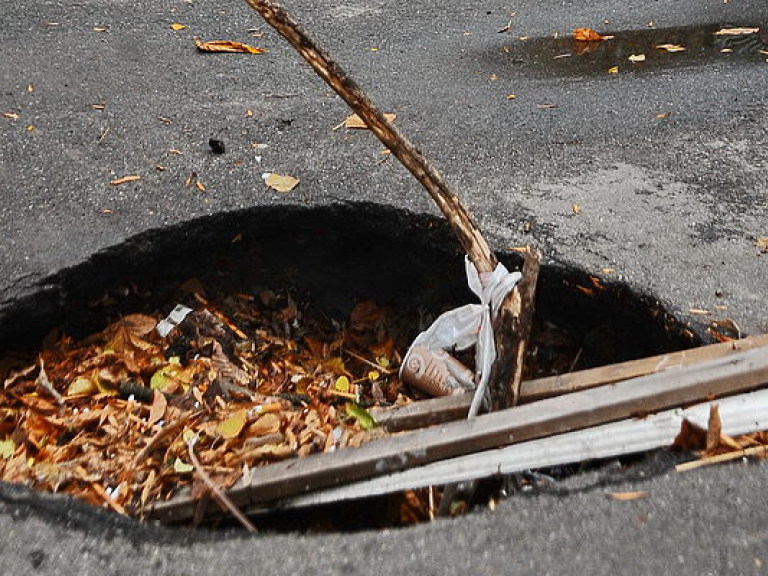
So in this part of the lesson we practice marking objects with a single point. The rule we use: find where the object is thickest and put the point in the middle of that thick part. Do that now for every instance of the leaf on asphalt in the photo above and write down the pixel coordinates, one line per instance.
(637, 58)
(280, 182)
(588, 35)
(176, 26)
(226, 46)
(627, 496)
(125, 179)
(354, 122)
(671, 47)
(232, 426)
(762, 244)
(576, 208)
(10, 115)
(736, 31)
(613, 70)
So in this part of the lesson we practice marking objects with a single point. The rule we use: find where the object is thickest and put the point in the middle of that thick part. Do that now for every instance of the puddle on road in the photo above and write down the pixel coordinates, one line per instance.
(565, 56)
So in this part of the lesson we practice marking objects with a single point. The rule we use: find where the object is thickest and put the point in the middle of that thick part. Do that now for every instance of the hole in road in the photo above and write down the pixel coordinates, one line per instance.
(300, 284)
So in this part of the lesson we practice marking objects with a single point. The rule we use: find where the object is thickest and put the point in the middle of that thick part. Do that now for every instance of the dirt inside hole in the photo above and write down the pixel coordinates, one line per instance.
(308, 290)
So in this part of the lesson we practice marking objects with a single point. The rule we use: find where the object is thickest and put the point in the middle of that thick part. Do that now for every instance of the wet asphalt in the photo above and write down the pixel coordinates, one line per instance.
(654, 175)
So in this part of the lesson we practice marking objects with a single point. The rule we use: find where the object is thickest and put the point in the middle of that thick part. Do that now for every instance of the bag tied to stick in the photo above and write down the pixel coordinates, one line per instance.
(428, 364)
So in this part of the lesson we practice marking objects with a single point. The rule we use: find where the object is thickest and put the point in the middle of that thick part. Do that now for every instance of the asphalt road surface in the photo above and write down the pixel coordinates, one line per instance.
(654, 174)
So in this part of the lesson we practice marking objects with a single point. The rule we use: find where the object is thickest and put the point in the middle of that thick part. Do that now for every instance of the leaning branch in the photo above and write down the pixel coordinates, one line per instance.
(469, 236)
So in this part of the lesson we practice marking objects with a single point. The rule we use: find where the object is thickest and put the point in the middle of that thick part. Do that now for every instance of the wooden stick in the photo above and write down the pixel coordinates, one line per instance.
(469, 236)
(737, 373)
(513, 332)
(445, 409)
(761, 450)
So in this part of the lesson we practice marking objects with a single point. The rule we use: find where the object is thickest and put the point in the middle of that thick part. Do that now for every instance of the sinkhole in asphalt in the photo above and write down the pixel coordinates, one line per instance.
(638, 51)
(335, 258)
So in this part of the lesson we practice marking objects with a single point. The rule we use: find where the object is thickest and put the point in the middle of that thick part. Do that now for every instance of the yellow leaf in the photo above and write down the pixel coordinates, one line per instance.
(342, 384)
(226, 46)
(374, 375)
(100, 29)
(177, 27)
(736, 31)
(762, 244)
(30, 128)
(671, 47)
(188, 435)
(383, 361)
(7, 448)
(182, 467)
(576, 208)
(199, 185)
(82, 386)
(626, 496)
(11, 115)
(354, 122)
(637, 58)
(279, 182)
(511, 96)
(232, 426)
(613, 70)
(125, 179)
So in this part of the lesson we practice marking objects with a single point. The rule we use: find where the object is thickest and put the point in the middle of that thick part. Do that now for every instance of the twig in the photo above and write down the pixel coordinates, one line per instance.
(216, 491)
(745, 453)
(465, 229)
(372, 364)
(45, 384)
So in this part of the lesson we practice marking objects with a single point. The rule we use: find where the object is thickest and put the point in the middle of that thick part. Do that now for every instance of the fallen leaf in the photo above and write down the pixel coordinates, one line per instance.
(546, 106)
(354, 122)
(30, 128)
(279, 182)
(125, 179)
(511, 96)
(7, 448)
(613, 70)
(672, 47)
(363, 417)
(662, 115)
(158, 408)
(82, 386)
(182, 467)
(576, 208)
(342, 384)
(762, 244)
(98, 106)
(637, 58)
(199, 185)
(100, 28)
(736, 31)
(226, 46)
(626, 496)
(177, 27)
(232, 426)
(714, 428)
(11, 115)
(588, 35)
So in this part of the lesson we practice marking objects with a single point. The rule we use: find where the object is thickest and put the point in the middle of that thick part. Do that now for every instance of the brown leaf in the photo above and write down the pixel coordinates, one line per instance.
(157, 410)
(714, 428)
(125, 179)
(226, 46)
(671, 47)
(588, 35)
(736, 31)
(354, 122)
(762, 244)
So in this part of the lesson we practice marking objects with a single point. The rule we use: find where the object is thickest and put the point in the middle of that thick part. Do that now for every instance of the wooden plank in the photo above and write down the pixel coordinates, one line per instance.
(735, 373)
(741, 414)
(446, 409)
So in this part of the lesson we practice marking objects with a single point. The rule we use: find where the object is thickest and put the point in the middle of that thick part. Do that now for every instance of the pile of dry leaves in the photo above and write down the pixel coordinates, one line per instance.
(242, 381)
